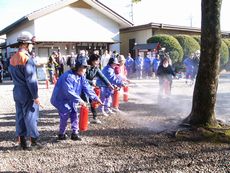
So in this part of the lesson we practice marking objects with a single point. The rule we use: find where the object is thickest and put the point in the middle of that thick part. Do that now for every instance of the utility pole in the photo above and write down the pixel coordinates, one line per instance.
(131, 13)
(191, 20)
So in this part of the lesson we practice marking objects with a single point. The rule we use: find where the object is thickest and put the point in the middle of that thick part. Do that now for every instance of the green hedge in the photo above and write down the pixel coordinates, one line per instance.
(227, 42)
(224, 53)
(188, 44)
(171, 44)
(197, 38)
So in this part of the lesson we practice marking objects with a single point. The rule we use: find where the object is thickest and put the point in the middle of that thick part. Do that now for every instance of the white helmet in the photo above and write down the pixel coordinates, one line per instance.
(26, 37)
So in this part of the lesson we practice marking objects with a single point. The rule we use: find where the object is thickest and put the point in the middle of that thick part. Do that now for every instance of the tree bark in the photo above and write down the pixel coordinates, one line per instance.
(204, 95)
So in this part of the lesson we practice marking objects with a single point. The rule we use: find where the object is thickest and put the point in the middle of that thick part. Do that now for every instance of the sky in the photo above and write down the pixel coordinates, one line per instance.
(175, 12)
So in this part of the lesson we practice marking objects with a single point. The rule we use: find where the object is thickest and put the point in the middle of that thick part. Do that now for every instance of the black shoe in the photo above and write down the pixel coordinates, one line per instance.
(23, 143)
(62, 137)
(75, 137)
(35, 144)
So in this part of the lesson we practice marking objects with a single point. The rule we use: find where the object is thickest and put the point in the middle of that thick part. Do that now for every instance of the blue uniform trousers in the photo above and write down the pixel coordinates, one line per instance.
(106, 97)
(26, 119)
(74, 119)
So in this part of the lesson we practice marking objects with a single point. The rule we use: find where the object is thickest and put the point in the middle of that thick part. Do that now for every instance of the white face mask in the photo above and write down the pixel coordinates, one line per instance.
(165, 64)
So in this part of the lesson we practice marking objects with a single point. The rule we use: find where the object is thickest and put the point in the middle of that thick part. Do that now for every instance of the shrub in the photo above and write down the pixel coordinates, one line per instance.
(171, 44)
(188, 44)
(227, 42)
(197, 38)
(224, 53)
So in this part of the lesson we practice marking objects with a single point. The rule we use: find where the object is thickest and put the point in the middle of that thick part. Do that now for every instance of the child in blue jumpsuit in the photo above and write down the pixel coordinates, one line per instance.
(147, 66)
(139, 64)
(106, 93)
(189, 66)
(66, 97)
(25, 92)
(129, 64)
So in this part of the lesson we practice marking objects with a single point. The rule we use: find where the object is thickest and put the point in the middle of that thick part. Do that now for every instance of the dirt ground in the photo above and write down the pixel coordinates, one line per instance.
(138, 139)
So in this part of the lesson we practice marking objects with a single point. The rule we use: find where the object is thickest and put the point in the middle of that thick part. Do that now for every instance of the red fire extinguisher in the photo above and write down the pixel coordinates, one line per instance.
(125, 94)
(116, 98)
(98, 92)
(83, 119)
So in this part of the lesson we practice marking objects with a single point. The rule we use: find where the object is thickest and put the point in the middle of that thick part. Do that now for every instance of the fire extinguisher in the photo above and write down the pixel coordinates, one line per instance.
(125, 94)
(83, 119)
(95, 104)
(97, 91)
(116, 98)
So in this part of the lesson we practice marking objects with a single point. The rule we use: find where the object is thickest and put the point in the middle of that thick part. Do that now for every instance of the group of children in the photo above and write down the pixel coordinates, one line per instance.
(142, 66)
(76, 87)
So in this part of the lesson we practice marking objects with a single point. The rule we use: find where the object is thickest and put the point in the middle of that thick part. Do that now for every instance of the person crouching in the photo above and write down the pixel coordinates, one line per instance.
(165, 74)
(66, 98)
(106, 92)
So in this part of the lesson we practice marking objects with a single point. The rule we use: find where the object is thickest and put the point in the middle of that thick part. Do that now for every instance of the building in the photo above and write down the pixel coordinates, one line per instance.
(132, 36)
(69, 25)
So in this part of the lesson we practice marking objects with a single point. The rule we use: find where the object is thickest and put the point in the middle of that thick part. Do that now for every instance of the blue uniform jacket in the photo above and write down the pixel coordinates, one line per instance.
(67, 91)
(156, 63)
(188, 62)
(129, 63)
(23, 72)
(139, 63)
(147, 63)
(109, 73)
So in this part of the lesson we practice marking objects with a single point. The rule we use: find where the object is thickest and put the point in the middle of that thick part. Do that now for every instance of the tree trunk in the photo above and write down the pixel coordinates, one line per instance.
(204, 95)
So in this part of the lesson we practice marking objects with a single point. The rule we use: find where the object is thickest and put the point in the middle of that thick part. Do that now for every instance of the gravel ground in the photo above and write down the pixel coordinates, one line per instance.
(135, 140)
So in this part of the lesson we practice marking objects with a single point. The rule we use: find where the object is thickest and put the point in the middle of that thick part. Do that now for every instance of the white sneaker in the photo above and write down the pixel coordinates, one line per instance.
(116, 109)
(104, 114)
(96, 121)
(110, 111)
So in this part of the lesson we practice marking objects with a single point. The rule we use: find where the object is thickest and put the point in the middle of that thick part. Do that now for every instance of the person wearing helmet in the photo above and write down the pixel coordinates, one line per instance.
(106, 93)
(25, 92)
(92, 73)
(66, 97)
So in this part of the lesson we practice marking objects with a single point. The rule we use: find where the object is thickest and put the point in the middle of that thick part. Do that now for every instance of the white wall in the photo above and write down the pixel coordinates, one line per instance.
(76, 24)
(140, 37)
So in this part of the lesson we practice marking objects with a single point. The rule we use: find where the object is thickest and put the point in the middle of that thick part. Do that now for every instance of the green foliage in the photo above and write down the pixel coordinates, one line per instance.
(227, 42)
(136, 1)
(171, 44)
(188, 44)
(197, 38)
(224, 53)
